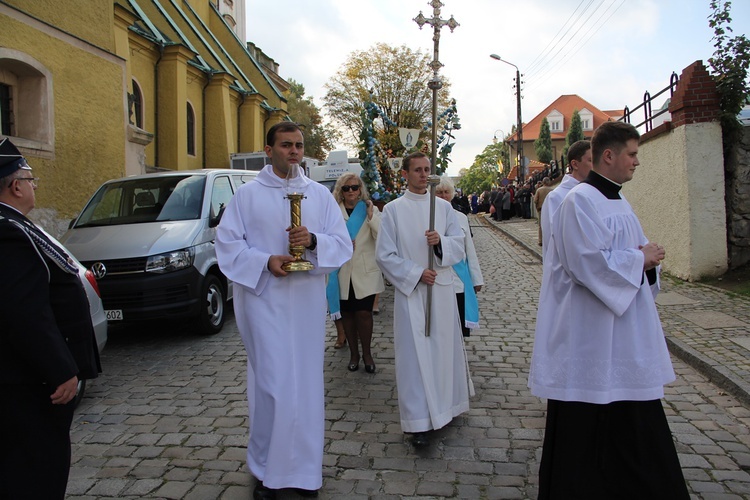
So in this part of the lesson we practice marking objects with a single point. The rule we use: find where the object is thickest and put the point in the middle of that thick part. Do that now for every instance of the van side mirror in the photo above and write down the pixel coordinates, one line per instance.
(72, 221)
(214, 221)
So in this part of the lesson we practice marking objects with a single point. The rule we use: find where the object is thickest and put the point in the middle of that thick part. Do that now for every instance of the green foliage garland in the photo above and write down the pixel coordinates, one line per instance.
(451, 122)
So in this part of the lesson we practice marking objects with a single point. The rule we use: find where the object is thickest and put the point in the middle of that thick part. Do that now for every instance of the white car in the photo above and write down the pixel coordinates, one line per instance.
(98, 317)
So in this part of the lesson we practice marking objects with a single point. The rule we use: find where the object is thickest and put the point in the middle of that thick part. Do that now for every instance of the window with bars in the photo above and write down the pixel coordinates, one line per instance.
(6, 110)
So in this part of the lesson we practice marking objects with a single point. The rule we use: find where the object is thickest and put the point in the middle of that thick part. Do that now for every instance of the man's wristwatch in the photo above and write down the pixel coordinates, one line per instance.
(313, 242)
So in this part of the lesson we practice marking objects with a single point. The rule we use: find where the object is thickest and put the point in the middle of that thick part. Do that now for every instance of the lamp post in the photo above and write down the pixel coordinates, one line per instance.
(494, 135)
(521, 166)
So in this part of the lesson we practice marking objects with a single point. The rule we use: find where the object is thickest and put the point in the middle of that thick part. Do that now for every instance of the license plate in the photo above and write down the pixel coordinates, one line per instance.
(114, 315)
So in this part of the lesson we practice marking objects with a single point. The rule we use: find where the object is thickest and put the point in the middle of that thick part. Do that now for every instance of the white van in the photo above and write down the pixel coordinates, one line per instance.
(149, 240)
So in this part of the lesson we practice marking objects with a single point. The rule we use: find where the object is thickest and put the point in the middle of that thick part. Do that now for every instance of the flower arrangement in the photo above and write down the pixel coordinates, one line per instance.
(374, 159)
(372, 156)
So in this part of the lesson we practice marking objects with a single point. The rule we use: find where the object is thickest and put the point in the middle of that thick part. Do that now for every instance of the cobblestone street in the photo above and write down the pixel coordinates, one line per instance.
(168, 417)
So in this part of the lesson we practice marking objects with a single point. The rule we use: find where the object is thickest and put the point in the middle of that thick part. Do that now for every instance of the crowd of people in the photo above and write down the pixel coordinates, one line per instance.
(599, 357)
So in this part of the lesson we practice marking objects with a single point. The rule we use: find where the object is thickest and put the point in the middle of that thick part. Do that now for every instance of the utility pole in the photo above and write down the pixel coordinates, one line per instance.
(519, 126)
(521, 166)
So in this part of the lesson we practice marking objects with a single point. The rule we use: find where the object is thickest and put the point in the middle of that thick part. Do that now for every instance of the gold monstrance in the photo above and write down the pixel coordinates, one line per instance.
(295, 192)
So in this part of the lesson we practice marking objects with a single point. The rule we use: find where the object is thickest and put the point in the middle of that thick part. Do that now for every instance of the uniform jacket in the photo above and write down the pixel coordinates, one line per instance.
(46, 335)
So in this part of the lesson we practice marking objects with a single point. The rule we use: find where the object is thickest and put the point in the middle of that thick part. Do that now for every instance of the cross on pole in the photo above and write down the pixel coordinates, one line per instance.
(435, 84)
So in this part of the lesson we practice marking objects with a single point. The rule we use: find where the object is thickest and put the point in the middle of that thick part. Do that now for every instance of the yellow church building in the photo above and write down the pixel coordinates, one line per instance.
(92, 90)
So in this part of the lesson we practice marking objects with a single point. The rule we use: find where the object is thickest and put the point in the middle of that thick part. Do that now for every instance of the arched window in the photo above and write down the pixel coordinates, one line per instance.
(26, 100)
(190, 130)
(137, 106)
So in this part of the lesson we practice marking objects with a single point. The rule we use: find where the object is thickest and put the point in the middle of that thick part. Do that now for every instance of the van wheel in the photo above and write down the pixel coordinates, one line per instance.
(213, 310)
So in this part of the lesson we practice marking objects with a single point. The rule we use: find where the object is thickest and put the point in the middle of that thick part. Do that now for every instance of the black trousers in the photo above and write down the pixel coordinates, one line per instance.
(621, 450)
(460, 298)
(34, 444)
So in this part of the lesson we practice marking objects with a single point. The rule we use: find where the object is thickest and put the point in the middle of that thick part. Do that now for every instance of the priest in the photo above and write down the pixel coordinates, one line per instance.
(281, 315)
(431, 372)
(600, 357)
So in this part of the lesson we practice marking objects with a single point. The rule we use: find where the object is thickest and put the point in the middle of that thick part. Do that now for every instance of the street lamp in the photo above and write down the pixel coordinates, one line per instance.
(521, 166)
(494, 136)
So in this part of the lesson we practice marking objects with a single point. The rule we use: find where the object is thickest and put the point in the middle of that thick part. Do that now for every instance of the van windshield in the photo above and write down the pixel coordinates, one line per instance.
(134, 201)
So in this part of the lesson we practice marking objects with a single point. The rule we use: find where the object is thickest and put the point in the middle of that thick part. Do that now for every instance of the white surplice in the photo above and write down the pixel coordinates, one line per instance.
(431, 372)
(471, 256)
(282, 324)
(550, 206)
(598, 335)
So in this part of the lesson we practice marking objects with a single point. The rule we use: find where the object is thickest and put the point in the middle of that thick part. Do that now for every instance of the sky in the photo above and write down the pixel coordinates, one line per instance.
(609, 52)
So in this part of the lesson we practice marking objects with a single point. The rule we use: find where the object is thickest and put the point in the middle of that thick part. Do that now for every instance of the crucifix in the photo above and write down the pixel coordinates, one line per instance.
(434, 84)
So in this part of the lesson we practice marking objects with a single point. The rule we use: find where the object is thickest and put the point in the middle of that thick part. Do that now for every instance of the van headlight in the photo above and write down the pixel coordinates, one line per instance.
(170, 261)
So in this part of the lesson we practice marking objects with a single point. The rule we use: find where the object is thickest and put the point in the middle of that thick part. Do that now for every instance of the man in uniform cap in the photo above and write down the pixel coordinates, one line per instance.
(46, 343)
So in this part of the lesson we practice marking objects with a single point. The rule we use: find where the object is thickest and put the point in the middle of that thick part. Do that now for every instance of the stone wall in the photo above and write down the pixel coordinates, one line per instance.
(678, 190)
(738, 202)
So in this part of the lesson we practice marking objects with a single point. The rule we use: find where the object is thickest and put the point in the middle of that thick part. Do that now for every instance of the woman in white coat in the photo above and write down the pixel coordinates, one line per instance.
(360, 279)
(466, 273)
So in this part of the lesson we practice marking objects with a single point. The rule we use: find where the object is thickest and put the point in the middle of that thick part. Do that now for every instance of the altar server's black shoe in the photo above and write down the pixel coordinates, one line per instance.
(262, 492)
(306, 493)
(420, 439)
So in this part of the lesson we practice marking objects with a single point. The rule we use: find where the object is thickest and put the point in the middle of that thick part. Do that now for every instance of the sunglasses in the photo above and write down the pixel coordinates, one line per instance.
(346, 189)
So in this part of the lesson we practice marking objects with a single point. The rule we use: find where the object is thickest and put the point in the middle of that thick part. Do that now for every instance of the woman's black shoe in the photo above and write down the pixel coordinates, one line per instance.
(353, 367)
(370, 368)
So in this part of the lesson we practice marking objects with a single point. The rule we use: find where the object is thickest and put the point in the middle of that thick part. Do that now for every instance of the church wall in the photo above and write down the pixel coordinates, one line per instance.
(90, 20)
(88, 109)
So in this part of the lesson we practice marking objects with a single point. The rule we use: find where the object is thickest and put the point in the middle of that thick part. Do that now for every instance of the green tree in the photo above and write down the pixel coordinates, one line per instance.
(575, 132)
(543, 143)
(397, 78)
(319, 137)
(730, 64)
(485, 171)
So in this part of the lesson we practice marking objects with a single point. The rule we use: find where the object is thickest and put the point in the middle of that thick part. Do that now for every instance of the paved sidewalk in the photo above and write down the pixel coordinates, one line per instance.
(705, 326)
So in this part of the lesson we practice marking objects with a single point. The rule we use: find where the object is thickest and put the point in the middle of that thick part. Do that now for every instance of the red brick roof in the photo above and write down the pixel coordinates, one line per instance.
(565, 105)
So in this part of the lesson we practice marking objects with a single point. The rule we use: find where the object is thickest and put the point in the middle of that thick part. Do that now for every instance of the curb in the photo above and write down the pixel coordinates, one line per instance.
(533, 251)
(717, 374)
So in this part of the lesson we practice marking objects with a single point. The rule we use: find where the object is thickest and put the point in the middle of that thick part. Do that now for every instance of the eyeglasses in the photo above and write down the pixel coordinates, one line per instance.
(34, 180)
(346, 189)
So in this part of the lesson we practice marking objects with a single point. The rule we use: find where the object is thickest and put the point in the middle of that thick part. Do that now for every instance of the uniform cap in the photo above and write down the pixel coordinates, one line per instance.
(11, 158)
